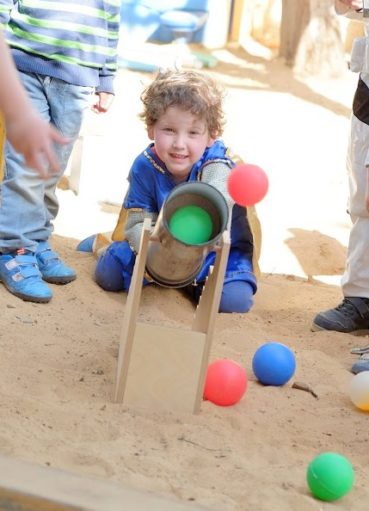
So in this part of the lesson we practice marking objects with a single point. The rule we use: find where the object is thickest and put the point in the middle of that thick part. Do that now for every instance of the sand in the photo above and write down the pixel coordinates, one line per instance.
(58, 361)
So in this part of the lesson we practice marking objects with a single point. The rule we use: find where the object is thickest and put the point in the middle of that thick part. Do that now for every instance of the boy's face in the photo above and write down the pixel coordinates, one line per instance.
(180, 140)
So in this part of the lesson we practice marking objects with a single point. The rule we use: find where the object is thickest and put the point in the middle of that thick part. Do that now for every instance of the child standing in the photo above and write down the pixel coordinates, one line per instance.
(64, 52)
(184, 118)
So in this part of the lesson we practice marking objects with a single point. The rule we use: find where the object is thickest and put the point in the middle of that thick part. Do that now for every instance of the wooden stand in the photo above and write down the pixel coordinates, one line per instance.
(164, 368)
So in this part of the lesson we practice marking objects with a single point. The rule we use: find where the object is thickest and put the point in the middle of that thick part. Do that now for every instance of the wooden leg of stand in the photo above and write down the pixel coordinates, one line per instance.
(131, 313)
(209, 302)
(207, 310)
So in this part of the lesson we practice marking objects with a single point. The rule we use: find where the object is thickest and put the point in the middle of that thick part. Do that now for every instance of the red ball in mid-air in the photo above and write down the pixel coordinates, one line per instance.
(226, 382)
(247, 184)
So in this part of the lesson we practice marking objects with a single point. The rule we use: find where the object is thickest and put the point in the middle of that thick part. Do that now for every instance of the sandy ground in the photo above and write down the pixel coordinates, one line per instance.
(58, 361)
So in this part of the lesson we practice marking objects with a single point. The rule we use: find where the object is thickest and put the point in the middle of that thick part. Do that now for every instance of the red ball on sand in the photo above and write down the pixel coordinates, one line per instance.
(247, 184)
(225, 383)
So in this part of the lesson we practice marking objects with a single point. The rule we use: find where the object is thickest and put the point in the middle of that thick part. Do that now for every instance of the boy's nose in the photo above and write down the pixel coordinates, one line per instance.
(179, 141)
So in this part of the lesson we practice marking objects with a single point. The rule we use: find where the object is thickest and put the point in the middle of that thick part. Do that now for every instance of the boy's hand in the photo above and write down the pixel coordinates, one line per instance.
(103, 101)
(34, 139)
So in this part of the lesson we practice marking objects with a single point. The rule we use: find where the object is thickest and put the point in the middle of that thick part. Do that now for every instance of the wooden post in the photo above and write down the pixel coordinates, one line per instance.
(130, 317)
(235, 28)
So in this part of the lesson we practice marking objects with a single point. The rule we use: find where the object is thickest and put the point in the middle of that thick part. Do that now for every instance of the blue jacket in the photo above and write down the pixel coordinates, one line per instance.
(150, 183)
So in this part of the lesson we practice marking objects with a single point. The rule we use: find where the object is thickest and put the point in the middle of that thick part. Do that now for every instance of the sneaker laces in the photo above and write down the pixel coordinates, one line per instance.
(351, 308)
(346, 308)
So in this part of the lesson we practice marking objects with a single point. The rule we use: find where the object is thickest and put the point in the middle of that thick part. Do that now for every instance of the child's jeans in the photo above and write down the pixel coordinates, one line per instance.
(115, 267)
(28, 202)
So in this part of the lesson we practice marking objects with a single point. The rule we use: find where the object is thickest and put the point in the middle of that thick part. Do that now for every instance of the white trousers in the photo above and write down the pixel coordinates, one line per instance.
(355, 281)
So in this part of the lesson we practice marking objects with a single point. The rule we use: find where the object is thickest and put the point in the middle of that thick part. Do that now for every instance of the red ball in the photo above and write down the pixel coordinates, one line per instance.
(226, 383)
(247, 184)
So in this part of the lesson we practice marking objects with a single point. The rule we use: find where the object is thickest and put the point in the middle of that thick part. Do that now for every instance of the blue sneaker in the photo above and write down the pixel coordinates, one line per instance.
(87, 245)
(361, 365)
(20, 275)
(52, 268)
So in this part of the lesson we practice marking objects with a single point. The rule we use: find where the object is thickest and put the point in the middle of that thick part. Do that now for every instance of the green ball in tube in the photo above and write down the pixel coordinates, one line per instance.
(191, 224)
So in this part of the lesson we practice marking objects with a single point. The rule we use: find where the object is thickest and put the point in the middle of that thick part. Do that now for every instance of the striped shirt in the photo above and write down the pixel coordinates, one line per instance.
(75, 41)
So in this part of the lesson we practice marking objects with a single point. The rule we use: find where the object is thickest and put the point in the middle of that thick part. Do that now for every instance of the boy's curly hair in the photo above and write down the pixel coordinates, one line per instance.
(189, 90)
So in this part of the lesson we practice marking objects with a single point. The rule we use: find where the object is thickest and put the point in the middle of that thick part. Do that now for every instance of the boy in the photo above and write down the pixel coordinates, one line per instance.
(64, 51)
(184, 118)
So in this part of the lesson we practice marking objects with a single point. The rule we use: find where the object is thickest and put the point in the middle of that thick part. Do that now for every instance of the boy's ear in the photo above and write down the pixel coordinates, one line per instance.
(150, 133)
(211, 141)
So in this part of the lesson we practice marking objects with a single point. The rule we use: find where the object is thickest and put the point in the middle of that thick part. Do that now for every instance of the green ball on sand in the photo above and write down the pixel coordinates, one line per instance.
(330, 476)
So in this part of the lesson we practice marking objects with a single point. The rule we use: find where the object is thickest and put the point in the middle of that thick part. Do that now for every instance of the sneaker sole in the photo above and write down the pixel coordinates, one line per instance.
(59, 280)
(27, 298)
(316, 328)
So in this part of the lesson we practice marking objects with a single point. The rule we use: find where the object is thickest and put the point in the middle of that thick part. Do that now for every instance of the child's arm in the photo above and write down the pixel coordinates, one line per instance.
(25, 129)
(216, 174)
(133, 226)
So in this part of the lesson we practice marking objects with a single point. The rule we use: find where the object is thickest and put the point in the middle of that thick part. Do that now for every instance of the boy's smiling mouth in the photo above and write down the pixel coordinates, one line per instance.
(178, 156)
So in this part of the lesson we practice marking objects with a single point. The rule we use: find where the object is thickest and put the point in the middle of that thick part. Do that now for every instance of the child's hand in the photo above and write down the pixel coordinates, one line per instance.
(34, 137)
(102, 103)
(353, 4)
(343, 6)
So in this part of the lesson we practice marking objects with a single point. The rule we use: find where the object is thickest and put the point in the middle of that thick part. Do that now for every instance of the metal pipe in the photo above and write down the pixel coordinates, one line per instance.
(174, 263)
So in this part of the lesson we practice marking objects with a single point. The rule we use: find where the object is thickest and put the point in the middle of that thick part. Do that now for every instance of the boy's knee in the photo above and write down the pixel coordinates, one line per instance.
(108, 272)
(237, 296)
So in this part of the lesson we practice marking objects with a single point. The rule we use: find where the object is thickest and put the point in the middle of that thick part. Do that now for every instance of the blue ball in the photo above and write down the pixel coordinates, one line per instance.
(273, 363)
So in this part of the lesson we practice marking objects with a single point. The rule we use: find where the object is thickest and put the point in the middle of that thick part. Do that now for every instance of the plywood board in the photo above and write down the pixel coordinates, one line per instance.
(164, 368)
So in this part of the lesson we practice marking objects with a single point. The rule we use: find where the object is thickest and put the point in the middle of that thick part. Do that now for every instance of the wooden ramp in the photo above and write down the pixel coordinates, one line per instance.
(29, 487)
(163, 368)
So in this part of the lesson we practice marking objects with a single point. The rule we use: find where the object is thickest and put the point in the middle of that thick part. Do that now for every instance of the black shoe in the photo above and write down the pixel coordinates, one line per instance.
(350, 317)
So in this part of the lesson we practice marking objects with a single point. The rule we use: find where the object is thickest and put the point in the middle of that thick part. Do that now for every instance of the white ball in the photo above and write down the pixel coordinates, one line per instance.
(359, 390)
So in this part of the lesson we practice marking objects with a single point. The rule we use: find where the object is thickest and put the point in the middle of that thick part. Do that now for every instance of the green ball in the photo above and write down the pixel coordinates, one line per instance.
(191, 224)
(330, 476)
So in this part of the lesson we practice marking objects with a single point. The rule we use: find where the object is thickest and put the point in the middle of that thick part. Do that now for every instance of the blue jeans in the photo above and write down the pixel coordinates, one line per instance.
(28, 203)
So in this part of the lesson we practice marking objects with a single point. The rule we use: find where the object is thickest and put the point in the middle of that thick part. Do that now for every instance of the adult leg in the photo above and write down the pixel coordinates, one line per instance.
(352, 315)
